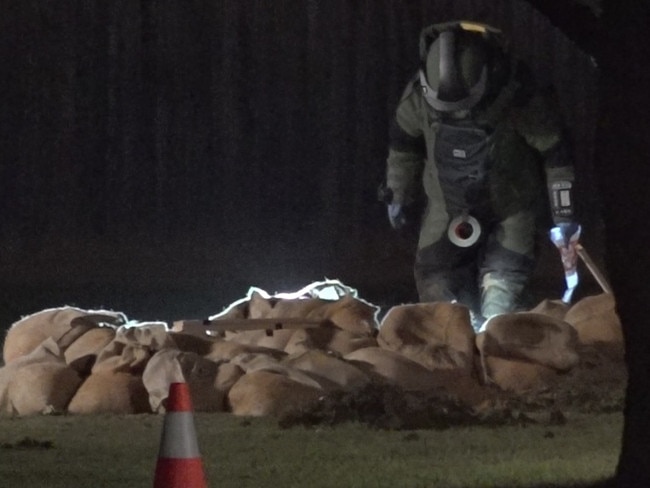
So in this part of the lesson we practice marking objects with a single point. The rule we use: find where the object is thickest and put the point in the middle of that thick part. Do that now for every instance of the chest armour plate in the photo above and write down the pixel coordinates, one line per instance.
(462, 155)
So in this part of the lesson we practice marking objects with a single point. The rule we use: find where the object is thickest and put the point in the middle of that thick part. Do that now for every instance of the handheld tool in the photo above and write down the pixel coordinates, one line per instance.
(567, 244)
(570, 250)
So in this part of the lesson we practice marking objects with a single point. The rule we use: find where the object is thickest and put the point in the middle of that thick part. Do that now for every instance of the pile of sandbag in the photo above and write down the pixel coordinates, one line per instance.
(69, 360)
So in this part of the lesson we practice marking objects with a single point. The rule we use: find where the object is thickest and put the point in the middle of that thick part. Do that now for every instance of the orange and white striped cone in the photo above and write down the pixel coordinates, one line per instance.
(179, 461)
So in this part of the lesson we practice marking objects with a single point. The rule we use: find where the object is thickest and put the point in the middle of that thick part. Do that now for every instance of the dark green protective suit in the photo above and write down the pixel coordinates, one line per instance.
(526, 152)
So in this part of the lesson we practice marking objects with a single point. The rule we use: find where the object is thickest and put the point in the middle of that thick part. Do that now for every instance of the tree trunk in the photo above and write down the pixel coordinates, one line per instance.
(622, 165)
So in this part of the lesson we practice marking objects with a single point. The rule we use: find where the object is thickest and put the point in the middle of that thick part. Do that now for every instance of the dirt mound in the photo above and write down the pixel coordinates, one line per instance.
(592, 387)
(596, 385)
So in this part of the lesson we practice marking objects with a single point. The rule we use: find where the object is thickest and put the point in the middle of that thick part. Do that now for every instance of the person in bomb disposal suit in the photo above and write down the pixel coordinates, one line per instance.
(486, 148)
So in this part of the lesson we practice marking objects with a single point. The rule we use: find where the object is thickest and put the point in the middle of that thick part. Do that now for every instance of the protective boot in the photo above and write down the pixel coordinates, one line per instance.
(437, 289)
(458, 286)
(434, 290)
(499, 295)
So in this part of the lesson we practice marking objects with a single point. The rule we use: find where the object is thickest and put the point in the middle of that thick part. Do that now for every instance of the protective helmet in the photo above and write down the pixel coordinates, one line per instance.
(461, 63)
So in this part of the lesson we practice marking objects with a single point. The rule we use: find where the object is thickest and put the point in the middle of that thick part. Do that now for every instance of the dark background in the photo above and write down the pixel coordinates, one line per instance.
(160, 157)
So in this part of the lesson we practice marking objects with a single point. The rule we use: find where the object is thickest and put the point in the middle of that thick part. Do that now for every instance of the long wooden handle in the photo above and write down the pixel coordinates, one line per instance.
(220, 326)
(597, 274)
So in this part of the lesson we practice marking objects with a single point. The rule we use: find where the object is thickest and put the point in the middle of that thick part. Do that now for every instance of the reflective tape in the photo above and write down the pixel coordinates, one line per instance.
(179, 437)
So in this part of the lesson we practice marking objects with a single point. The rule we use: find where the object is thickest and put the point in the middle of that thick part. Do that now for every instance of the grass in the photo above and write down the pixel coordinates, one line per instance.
(121, 451)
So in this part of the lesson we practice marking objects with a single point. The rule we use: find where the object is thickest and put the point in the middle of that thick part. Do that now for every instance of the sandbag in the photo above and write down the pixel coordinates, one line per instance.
(350, 314)
(39, 382)
(82, 353)
(132, 347)
(107, 391)
(595, 319)
(329, 371)
(328, 338)
(207, 380)
(26, 334)
(531, 337)
(264, 393)
(519, 376)
(396, 369)
(553, 308)
(42, 388)
(263, 362)
(437, 335)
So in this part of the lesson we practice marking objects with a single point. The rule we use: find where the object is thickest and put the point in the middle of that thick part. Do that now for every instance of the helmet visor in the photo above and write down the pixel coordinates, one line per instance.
(455, 72)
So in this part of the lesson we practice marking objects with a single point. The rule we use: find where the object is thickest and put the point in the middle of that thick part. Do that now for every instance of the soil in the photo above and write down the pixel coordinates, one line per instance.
(596, 385)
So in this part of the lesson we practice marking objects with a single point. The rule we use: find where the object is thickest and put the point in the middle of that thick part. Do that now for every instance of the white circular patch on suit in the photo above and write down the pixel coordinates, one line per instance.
(464, 231)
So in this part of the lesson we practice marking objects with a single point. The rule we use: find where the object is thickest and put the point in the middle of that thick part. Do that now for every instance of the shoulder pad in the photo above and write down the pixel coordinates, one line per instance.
(526, 84)
(413, 86)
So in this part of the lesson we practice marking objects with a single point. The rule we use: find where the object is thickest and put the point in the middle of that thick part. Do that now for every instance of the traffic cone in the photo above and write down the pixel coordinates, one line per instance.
(179, 462)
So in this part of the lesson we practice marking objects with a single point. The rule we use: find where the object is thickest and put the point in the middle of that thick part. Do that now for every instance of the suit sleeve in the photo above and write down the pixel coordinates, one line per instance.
(539, 122)
(406, 150)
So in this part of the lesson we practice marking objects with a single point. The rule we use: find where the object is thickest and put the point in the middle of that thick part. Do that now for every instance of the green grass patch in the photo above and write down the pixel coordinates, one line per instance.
(121, 451)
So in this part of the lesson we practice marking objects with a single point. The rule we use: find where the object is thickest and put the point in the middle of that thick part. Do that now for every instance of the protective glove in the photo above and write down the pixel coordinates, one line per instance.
(396, 216)
(565, 236)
